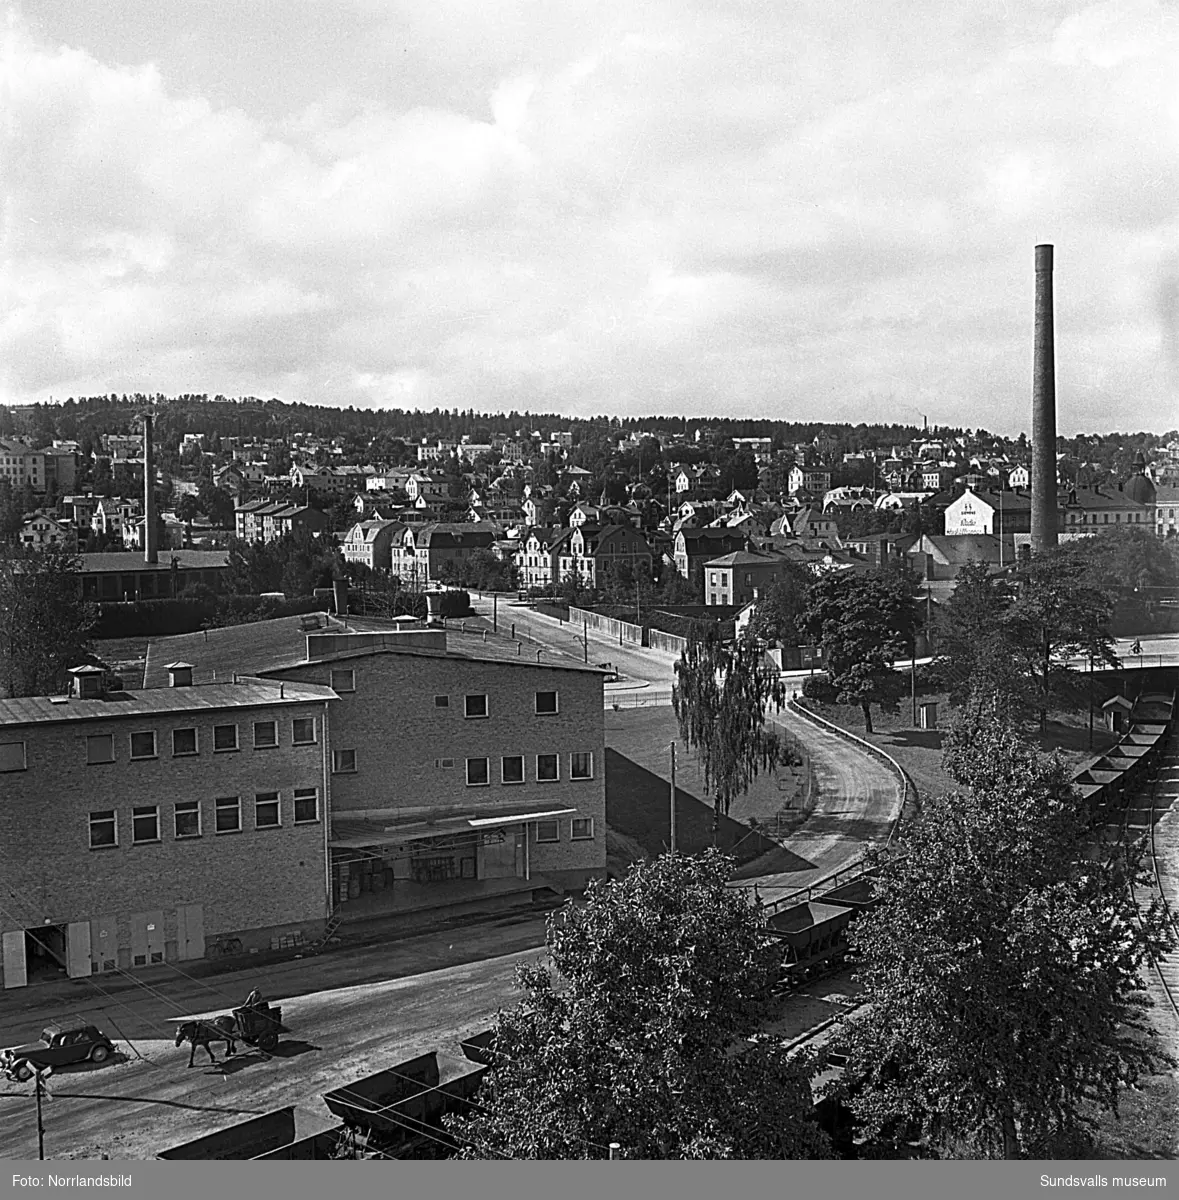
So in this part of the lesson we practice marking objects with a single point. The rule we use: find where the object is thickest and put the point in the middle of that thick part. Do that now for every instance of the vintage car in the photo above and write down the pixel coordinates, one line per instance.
(59, 1046)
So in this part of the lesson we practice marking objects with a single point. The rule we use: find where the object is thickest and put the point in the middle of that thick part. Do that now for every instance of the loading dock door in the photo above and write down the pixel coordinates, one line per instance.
(15, 971)
(78, 949)
(190, 931)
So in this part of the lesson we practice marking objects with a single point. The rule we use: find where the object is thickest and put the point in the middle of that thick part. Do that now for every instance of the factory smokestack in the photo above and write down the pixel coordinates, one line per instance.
(151, 551)
(1044, 410)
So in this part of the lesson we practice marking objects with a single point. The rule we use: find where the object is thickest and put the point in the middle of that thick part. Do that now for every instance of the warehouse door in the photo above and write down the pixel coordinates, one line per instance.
(147, 939)
(190, 931)
(15, 974)
(104, 943)
(78, 949)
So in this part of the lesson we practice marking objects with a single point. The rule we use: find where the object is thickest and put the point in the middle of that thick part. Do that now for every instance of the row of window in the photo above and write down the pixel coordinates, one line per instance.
(100, 747)
(580, 829)
(475, 705)
(187, 822)
(511, 770)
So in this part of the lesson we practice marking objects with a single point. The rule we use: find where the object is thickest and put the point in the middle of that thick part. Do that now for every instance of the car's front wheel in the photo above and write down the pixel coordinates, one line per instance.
(100, 1054)
(23, 1072)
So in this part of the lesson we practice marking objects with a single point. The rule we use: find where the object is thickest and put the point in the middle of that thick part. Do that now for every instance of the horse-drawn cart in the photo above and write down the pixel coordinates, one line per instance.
(258, 1024)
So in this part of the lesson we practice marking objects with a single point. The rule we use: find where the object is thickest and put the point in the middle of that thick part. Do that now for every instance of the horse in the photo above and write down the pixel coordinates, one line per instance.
(201, 1033)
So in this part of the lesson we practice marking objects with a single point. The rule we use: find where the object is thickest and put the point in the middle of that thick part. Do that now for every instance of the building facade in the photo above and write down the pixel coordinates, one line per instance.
(135, 828)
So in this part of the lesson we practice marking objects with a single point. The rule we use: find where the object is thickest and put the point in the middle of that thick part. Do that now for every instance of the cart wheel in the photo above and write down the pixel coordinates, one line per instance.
(268, 1041)
(100, 1054)
(23, 1072)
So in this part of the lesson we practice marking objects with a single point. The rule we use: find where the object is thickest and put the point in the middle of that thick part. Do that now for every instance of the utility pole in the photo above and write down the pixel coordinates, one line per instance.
(495, 612)
(38, 1088)
(913, 678)
(673, 797)
(585, 638)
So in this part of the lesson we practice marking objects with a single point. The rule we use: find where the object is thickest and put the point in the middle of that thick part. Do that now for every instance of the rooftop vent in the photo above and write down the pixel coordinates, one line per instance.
(87, 682)
(179, 674)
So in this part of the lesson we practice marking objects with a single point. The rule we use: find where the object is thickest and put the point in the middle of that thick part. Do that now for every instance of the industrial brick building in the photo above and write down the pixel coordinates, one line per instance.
(136, 824)
(462, 770)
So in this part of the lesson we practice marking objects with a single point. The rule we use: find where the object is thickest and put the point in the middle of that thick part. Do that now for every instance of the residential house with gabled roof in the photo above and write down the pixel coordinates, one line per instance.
(41, 529)
(426, 549)
(692, 548)
(370, 543)
(591, 552)
(740, 577)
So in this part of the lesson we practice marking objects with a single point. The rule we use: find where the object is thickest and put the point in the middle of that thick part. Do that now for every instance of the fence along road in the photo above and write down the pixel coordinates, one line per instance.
(858, 794)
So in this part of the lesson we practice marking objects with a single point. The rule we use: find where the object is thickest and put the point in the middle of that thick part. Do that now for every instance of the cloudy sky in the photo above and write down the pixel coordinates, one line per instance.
(783, 208)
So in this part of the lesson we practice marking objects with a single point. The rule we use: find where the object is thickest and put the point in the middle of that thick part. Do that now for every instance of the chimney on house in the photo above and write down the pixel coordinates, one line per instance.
(150, 534)
(1044, 410)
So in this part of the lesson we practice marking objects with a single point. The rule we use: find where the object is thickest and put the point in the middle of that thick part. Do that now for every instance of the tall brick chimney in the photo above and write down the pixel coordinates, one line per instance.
(151, 551)
(1044, 410)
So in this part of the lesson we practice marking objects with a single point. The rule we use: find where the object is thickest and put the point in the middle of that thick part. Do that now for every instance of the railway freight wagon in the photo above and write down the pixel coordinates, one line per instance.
(400, 1110)
(243, 1140)
(815, 935)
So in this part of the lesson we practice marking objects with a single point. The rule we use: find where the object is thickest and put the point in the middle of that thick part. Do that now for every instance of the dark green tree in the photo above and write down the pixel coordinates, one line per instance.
(45, 626)
(629, 1034)
(864, 622)
(721, 696)
(1058, 613)
(776, 618)
(1002, 965)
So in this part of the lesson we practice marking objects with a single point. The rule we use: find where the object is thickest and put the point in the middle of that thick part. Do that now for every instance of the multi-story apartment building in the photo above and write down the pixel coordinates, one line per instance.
(422, 552)
(590, 552)
(371, 543)
(534, 559)
(269, 520)
(740, 577)
(23, 464)
(692, 548)
(137, 825)
(460, 769)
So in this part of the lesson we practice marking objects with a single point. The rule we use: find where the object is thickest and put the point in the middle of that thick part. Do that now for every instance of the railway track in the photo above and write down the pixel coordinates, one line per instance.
(1163, 846)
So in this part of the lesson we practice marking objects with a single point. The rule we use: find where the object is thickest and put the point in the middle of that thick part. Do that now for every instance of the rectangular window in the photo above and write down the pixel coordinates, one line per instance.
(344, 681)
(103, 831)
(441, 701)
(478, 772)
(548, 831)
(476, 706)
(546, 768)
(100, 748)
(143, 745)
(265, 735)
(229, 815)
(12, 756)
(266, 811)
(306, 806)
(224, 737)
(581, 766)
(343, 762)
(581, 829)
(546, 702)
(512, 768)
(188, 818)
(145, 824)
(303, 731)
(184, 741)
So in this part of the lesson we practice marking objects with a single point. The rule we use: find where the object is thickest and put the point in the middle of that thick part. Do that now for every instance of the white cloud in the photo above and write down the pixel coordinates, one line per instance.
(695, 207)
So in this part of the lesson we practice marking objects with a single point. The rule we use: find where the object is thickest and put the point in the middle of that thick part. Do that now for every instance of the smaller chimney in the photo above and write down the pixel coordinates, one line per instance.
(340, 589)
(179, 674)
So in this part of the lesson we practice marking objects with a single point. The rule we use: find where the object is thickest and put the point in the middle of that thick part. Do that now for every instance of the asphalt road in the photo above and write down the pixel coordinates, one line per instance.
(858, 795)
(134, 1107)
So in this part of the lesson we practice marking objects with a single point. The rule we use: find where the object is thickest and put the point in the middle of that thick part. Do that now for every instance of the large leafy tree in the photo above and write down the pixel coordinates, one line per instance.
(1002, 966)
(778, 612)
(45, 626)
(721, 696)
(975, 660)
(864, 622)
(1058, 613)
(629, 1036)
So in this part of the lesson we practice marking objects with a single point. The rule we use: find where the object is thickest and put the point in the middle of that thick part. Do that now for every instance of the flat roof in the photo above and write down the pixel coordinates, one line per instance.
(280, 644)
(132, 560)
(251, 693)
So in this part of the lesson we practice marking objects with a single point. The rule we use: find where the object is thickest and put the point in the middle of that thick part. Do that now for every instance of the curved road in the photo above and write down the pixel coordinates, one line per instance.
(858, 794)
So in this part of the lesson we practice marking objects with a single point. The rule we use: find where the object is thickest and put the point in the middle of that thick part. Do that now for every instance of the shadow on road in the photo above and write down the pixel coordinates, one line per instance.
(292, 1048)
(213, 1108)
